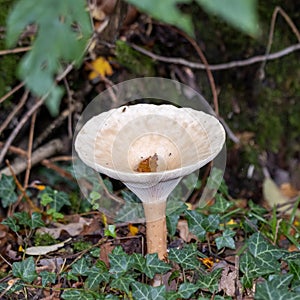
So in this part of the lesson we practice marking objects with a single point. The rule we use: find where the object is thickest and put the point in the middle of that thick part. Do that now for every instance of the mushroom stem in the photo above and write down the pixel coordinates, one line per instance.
(156, 228)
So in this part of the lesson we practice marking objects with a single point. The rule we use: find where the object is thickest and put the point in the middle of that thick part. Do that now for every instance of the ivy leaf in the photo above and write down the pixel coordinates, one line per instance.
(186, 290)
(122, 283)
(276, 288)
(240, 14)
(166, 11)
(81, 267)
(155, 266)
(7, 191)
(77, 294)
(221, 205)
(95, 276)
(25, 270)
(36, 221)
(226, 240)
(249, 268)
(195, 222)
(209, 281)
(59, 23)
(47, 277)
(200, 224)
(11, 222)
(120, 262)
(23, 217)
(146, 292)
(186, 257)
(265, 254)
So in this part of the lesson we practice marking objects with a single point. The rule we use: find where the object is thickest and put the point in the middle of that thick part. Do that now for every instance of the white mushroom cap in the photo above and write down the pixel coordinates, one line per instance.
(116, 141)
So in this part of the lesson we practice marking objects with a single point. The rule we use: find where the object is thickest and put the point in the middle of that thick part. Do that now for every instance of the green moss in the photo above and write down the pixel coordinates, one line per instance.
(44, 239)
(134, 61)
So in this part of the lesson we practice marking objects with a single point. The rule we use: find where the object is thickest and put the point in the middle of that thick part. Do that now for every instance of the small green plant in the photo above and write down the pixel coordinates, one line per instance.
(54, 201)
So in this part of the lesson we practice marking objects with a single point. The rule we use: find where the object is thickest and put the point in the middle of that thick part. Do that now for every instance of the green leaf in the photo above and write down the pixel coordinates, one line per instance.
(186, 290)
(172, 221)
(62, 33)
(36, 221)
(265, 254)
(209, 281)
(110, 230)
(276, 288)
(8, 195)
(240, 14)
(226, 240)
(200, 224)
(55, 199)
(77, 294)
(23, 217)
(11, 222)
(221, 205)
(81, 267)
(155, 266)
(96, 275)
(186, 257)
(146, 292)
(195, 222)
(166, 11)
(25, 270)
(120, 262)
(47, 277)
(249, 268)
(150, 265)
(211, 223)
(122, 284)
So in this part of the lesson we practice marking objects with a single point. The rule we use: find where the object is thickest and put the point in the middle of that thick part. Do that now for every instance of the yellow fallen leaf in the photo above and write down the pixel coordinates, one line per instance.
(100, 67)
(133, 229)
(42, 250)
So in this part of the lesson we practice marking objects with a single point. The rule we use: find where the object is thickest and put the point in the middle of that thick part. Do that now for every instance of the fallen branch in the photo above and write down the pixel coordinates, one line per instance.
(47, 150)
(218, 67)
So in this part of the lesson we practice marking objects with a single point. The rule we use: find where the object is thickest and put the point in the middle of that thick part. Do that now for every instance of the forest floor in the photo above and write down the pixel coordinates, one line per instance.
(244, 244)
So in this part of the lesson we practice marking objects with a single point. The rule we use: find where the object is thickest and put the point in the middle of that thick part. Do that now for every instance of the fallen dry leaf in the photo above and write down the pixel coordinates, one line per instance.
(148, 165)
(184, 232)
(42, 250)
(228, 281)
(73, 229)
(106, 249)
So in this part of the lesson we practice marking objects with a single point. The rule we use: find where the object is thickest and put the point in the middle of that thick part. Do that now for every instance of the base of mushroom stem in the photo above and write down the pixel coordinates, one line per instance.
(156, 228)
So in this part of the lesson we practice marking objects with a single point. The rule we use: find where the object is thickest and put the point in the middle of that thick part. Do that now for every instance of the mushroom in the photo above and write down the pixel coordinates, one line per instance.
(150, 148)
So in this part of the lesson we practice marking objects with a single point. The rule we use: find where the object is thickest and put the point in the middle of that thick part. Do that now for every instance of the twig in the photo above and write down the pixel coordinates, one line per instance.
(63, 173)
(15, 150)
(29, 151)
(14, 112)
(277, 10)
(16, 50)
(223, 66)
(56, 123)
(207, 68)
(19, 126)
(47, 150)
(67, 70)
(70, 104)
(15, 89)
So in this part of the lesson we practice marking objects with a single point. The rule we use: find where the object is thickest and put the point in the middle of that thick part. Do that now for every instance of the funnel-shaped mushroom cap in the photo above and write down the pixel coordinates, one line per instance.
(181, 139)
